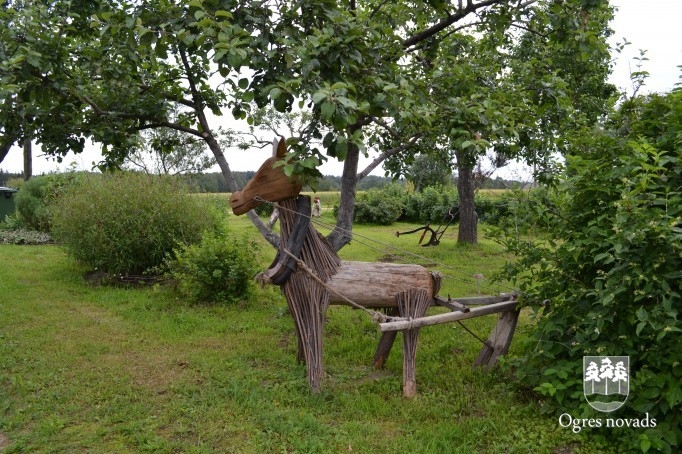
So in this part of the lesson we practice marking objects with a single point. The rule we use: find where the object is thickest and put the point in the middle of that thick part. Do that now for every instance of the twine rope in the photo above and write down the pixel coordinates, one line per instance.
(355, 235)
(377, 317)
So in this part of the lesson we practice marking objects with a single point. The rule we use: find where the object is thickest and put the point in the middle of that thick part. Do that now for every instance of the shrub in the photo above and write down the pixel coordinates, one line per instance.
(38, 194)
(430, 205)
(219, 269)
(524, 211)
(379, 206)
(128, 222)
(612, 271)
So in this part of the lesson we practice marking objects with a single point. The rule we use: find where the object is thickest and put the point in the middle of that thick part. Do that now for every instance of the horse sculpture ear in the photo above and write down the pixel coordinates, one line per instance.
(279, 148)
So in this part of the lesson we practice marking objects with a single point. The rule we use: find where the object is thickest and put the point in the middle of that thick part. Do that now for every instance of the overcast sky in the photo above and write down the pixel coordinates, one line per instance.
(652, 25)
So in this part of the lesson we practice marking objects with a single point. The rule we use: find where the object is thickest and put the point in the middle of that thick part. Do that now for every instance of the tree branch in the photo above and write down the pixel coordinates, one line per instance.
(377, 8)
(106, 113)
(170, 125)
(387, 154)
(450, 19)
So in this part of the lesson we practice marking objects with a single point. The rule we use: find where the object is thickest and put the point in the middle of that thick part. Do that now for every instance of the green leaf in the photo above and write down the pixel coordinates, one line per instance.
(328, 110)
(341, 150)
(319, 96)
(640, 327)
(673, 395)
(225, 14)
(644, 443)
(346, 102)
(275, 92)
(234, 60)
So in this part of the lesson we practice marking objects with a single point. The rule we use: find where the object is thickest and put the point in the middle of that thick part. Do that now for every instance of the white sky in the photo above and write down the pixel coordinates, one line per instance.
(649, 25)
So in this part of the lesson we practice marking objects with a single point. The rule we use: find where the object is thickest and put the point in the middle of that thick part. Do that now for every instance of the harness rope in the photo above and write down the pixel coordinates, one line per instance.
(354, 235)
(377, 317)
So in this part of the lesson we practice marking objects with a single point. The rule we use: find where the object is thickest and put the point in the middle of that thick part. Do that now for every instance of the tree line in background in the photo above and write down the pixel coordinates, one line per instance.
(214, 181)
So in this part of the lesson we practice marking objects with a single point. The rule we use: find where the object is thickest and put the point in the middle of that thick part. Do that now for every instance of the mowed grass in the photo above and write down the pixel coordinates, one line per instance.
(102, 369)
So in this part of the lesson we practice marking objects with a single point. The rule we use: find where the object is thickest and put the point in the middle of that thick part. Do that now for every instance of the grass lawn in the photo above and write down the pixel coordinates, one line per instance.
(102, 369)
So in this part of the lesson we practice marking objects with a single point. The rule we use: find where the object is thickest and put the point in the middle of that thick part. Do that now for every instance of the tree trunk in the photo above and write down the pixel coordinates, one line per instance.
(468, 219)
(342, 234)
(6, 143)
(28, 159)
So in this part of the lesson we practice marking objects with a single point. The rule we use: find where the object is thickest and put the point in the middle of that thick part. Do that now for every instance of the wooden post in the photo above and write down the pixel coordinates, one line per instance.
(385, 344)
(499, 340)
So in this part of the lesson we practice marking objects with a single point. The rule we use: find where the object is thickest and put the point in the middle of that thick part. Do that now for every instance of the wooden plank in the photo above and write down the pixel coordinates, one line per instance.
(499, 340)
(477, 300)
(451, 304)
(448, 317)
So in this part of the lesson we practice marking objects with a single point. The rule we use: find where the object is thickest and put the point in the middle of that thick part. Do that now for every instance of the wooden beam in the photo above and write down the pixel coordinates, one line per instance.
(450, 304)
(499, 340)
(448, 317)
(476, 300)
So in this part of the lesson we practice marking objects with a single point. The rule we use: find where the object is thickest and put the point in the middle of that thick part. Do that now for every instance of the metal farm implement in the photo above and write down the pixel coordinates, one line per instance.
(436, 234)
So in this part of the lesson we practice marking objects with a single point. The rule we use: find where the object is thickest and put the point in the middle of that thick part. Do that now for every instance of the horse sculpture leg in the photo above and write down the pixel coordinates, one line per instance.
(303, 295)
(412, 303)
(307, 298)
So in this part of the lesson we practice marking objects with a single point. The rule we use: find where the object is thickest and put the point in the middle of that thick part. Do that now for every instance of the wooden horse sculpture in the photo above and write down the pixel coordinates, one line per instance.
(312, 276)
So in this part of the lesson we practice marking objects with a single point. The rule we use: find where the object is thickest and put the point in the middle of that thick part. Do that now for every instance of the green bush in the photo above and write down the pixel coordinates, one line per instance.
(38, 194)
(612, 269)
(391, 203)
(429, 205)
(128, 222)
(524, 211)
(379, 206)
(219, 269)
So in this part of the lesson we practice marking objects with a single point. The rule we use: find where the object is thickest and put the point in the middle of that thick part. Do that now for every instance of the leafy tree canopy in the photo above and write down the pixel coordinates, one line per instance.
(370, 75)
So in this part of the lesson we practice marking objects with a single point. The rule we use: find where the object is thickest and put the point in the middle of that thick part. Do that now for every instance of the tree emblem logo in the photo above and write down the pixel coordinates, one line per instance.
(606, 381)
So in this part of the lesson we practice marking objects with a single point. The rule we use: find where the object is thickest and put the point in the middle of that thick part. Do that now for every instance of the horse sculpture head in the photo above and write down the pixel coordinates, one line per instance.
(268, 184)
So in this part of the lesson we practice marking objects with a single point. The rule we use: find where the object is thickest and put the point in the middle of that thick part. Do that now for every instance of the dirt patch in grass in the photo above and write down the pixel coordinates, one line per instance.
(4, 441)
(156, 369)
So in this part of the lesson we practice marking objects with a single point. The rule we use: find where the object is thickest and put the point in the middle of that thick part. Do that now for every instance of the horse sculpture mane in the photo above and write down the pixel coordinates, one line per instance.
(312, 276)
